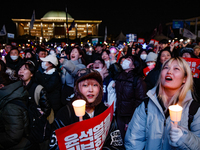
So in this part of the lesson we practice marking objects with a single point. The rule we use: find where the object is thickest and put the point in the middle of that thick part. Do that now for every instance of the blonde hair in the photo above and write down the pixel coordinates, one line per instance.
(188, 85)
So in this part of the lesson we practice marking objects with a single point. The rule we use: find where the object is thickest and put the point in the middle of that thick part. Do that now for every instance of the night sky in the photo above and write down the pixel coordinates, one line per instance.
(126, 16)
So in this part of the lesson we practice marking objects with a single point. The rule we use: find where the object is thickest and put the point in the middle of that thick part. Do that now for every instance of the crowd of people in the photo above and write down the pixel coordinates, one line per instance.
(46, 80)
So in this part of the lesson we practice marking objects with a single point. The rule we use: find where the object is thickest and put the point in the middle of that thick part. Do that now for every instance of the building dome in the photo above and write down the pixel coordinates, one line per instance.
(57, 15)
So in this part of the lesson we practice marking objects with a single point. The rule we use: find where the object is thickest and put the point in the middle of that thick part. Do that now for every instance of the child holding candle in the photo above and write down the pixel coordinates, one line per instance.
(154, 129)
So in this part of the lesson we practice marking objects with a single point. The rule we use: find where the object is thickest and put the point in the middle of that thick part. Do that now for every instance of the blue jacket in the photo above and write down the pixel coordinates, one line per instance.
(149, 131)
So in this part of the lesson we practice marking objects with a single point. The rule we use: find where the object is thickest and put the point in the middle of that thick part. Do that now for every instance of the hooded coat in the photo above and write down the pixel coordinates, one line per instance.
(151, 131)
(14, 119)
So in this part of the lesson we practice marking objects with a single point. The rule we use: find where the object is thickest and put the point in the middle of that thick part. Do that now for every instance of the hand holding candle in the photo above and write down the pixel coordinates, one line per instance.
(79, 108)
(175, 112)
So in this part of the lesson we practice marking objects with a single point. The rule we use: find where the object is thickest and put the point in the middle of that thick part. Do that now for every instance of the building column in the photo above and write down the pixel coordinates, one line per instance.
(65, 30)
(53, 30)
(41, 30)
(76, 30)
(17, 28)
(87, 29)
(92, 30)
(97, 29)
(29, 29)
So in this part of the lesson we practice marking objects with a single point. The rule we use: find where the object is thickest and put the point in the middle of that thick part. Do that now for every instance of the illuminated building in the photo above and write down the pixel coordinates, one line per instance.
(53, 25)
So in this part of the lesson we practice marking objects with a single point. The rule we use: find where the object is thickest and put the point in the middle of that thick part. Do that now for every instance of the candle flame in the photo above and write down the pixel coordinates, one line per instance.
(175, 107)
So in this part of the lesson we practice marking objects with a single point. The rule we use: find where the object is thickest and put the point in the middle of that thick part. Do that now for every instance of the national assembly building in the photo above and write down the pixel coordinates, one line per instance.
(53, 25)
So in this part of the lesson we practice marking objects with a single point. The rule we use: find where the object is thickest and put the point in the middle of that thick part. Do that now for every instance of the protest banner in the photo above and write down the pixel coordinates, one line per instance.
(88, 134)
(13, 43)
(11, 35)
(141, 40)
(194, 64)
(131, 37)
(154, 42)
(95, 41)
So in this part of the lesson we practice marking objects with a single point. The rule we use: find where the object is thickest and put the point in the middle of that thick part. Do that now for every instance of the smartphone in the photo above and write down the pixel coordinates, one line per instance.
(91, 66)
(185, 42)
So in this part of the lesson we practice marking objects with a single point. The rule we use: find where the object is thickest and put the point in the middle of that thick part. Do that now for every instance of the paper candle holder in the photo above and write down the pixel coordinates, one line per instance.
(79, 107)
(175, 112)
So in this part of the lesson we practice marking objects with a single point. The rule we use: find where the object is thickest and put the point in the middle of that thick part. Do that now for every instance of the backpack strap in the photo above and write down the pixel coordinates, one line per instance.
(37, 94)
(194, 106)
(50, 118)
(70, 115)
(38, 89)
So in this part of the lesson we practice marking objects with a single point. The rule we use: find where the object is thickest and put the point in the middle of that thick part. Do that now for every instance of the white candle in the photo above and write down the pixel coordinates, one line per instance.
(175, 112)
(79, 108)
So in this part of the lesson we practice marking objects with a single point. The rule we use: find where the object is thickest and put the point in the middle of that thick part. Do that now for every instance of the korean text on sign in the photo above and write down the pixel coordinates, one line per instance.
(89, 134)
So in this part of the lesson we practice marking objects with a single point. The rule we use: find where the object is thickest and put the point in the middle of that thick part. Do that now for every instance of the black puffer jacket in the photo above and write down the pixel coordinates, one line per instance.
(129, 97)
(43, 101)
(52, 84)
(130, 92)
(13, 118)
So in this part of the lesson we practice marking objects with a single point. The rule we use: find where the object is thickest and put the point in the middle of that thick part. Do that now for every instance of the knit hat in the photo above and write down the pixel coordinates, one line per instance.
(88, 73)
(150, 46)
(51, 58)
(186, 50)
(151, 57)
(197, 46)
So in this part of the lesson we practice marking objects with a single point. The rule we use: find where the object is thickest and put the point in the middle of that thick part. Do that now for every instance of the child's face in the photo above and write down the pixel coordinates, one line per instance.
(90, 89)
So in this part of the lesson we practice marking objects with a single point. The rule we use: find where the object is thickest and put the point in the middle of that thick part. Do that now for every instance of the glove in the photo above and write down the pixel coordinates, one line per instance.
(175, 133)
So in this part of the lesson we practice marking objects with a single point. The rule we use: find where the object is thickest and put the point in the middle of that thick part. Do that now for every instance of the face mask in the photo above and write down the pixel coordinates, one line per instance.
(125, 64)
(43, 65)
(14, 57)
(143, 56)
(89, 53)
(98, 69)
(52, 53)
(149, 64)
